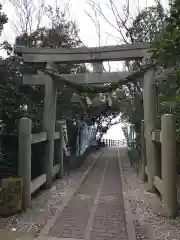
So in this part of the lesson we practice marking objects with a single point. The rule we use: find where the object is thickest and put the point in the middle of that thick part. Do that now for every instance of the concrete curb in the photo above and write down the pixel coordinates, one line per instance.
(128, 211)
(44, 232)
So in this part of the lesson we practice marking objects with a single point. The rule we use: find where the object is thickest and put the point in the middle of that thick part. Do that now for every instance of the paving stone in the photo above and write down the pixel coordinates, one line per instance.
(96, 211)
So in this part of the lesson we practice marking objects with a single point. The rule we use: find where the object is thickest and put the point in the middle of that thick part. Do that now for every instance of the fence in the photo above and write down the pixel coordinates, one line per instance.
(26, 139)
(111, 142)
(162, 169)
(51, 170)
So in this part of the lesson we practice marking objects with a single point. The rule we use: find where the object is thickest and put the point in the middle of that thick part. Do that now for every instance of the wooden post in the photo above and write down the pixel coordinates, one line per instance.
(150, 122)
(59, 128)
(169, 175)
(143, 153)
(24, 160)
(49, 126)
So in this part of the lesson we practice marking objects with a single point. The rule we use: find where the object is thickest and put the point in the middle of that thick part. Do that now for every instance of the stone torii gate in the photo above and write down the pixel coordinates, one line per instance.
(96, 56)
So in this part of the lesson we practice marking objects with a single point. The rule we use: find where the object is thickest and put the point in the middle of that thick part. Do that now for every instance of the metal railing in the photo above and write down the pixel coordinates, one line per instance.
(113, 143)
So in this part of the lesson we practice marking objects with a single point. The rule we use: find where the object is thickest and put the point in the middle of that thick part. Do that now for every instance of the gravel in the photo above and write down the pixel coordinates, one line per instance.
(148, 215)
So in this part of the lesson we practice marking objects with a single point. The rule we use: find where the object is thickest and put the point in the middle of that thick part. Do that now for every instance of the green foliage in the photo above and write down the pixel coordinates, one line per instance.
(154, 25)
(61, 33)
(145, 27)
(166, 45)
(150, 24)
(167, 55)
(147, 24)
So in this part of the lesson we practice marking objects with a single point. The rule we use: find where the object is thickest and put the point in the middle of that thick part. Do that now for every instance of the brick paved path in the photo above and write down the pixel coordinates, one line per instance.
(96, 211)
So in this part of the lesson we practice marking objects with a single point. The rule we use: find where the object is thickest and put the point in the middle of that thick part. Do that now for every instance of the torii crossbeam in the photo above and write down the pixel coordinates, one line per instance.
(96, 56)
(84, 54)
(80, 78)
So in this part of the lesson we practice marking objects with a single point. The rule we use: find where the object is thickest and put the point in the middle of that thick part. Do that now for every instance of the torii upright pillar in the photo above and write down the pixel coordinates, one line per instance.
(49, 126)
(150, 123)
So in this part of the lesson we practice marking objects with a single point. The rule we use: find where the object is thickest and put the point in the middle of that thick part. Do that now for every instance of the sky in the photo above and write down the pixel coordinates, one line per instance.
(78, 11)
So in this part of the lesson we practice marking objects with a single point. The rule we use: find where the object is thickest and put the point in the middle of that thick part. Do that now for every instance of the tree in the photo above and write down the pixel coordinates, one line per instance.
(14, 96)
(166, 53)
(60, 33)
(148, 23)
(166, 50)
(3, 19)
(144, 27)
(28, 15)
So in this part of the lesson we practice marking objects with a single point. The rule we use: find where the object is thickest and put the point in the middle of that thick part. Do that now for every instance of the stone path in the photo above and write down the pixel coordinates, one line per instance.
(96, 210)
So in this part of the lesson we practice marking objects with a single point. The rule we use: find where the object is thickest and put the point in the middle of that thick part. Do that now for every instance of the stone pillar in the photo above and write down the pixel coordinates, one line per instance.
(150, 122)
(169, 175)
(98, 67)
(143, 153)
(24, 159)
(49, 126)
(59, 128)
